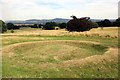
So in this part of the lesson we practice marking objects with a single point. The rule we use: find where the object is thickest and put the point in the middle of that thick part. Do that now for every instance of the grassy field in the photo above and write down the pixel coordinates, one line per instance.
(36, 53)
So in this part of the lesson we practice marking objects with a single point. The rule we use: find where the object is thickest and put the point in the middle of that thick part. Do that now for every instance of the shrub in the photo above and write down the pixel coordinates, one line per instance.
(36, 26)
(11, 26)
(118, 22)
(3, 27)
(12, 31)
(49, 26)
(95, 25)
(62, 25)
(105, 23)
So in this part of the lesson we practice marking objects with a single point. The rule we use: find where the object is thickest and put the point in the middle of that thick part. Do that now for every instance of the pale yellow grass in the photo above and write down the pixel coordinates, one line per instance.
(111, 31)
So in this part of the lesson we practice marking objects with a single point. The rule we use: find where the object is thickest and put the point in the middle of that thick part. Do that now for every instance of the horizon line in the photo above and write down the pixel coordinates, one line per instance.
(51, 19)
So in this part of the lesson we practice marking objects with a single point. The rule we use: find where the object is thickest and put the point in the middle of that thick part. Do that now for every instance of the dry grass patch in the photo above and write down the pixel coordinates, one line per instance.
(92, 32)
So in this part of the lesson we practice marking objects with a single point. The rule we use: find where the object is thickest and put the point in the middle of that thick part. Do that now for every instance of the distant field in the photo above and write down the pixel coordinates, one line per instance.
(30, 31)
(36, 53)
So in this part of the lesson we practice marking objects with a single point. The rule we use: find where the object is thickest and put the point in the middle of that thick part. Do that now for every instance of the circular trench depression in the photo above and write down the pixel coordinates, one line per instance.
(55, 51)
(48, 59)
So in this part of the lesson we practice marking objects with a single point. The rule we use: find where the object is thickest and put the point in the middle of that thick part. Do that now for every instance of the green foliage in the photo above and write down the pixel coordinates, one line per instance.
(95, 25)
(12, 31)
(3, 27)
(118, 22)
(62, 25)
(106, 23)
(49, 26)
(36, 26)
(40, 25)
(10, 26)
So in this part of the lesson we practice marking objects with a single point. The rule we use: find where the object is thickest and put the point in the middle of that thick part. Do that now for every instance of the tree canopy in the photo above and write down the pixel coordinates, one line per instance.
(80, 24)
(3, 27)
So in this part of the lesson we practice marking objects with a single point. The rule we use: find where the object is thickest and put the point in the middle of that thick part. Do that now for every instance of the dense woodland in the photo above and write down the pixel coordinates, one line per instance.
(74, 24)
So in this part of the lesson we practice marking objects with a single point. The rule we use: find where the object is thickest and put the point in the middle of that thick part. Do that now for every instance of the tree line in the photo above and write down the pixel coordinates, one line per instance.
(108, 23)
(48, 26)
(81, 24)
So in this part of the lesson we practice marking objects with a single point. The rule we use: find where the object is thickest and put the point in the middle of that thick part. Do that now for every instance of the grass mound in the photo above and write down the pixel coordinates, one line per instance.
(56, 59)
(44, 52)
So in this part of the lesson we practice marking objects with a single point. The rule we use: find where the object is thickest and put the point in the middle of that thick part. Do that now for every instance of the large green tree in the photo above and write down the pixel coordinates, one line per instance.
(3, 27)
(80, 24)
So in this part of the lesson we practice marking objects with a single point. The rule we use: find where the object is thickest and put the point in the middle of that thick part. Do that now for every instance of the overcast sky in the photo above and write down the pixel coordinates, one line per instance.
(49, 9)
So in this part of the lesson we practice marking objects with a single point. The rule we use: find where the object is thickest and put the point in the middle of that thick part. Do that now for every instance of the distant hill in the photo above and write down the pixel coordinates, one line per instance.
(60, 20)
(15, 21)
(57, 20)
(43, 21)
(37, 21)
